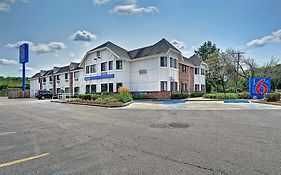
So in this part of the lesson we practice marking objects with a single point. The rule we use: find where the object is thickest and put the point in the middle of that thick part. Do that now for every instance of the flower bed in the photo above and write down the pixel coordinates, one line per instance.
(123, 98)
(240, 95)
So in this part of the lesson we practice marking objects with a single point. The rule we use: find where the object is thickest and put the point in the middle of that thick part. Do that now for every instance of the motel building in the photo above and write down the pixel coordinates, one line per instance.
(157, 71)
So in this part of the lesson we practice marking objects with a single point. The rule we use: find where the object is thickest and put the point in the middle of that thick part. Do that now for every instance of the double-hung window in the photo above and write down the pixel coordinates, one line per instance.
(163, 85)
(93, 68)
(104, 66)
(196, 71)
(163, 61)
(87, 69)
(119, 65)
(110, 65)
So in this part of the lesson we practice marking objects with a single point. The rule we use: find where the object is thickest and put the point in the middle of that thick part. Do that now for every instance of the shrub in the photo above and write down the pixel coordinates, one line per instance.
(221, 96)
(244, 95)
(105, 100)
(272, 97)
(124, 97)
(95, 96)
(123, 90)
(197, 94)
(179, 96)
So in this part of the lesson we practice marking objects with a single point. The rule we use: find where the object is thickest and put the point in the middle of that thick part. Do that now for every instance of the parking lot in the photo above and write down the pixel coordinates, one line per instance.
(40, 137)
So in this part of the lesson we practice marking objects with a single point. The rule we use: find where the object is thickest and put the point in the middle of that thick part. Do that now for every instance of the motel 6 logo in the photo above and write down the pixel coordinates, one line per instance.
(259, 86)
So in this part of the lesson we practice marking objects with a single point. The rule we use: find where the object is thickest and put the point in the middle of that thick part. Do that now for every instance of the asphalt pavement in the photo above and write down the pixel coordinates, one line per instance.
(40, 137)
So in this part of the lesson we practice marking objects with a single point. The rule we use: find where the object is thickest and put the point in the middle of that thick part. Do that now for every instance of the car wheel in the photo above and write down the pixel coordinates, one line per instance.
(43, 97)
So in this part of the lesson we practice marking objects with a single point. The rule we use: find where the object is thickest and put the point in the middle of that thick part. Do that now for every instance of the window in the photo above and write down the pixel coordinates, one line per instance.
(174, 86)
(104, 66)
(58, 90)
(183, 68)
(50, 78)
(163, 61)
(183, 87)
(76, 90)
(87, 69)
(93, 68)
(38, 80)
(103, 87)
(110, 65)
(203, 87)
(93, 88)
(58, 77)
(110, 88)
(66, 76)
(196, 71)
(44, 80)
(163, 86)
(171, 62)
(118, 85)
(98, 54)
(197, 88)
(202, 72)
(119, 64)
(76, 75)
(87, 89)
(66, 90)
(175, 63)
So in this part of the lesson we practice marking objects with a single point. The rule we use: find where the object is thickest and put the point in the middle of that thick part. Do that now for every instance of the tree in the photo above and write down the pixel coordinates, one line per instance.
(208, 48)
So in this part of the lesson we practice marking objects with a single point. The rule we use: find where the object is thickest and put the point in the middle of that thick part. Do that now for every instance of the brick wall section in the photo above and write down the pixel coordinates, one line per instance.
(191, 79)
(187, 77)
(159, 95)
(183, 76)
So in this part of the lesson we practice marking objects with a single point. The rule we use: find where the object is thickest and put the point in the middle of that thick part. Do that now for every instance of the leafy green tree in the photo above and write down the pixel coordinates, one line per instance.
(208, 48)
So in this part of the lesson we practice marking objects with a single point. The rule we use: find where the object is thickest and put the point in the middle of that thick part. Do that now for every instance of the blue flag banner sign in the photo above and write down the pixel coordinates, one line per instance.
(23, 53)
(99, 77)
(259, 86)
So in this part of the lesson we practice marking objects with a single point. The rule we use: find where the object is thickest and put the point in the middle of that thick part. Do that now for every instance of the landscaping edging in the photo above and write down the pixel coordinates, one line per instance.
(111, 105)
(268, 103)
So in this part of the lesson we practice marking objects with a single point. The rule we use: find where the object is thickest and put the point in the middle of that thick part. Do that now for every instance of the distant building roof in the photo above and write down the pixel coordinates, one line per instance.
(187, 61)
(116, 49)
(36, 75)
(160, 47)
(196, 60)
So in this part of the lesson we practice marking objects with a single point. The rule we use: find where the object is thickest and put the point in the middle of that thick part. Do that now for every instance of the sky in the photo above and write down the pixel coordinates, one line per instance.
(62, 31)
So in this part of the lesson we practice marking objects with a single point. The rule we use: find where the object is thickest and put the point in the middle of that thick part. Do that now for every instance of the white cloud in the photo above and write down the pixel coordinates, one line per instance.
(275, 37)
(40, 48)
(71, 54)
(27, 68)
(5, 5)
(7, 62)
(83, 36)
(178, 44)
(133, 9)
(100, 1)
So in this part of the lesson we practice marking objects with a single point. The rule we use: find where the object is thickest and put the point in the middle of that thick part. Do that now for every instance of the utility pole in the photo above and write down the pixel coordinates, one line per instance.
(237, 67)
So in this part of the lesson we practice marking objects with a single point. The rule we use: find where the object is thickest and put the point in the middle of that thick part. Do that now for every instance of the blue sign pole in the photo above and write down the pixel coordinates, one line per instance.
(23, 58)
(23, 76)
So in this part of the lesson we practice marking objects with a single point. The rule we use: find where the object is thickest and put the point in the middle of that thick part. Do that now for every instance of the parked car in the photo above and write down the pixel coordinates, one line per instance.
(42, 94)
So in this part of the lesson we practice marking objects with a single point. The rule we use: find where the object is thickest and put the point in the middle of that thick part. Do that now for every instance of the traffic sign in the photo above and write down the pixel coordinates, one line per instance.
(259, 86)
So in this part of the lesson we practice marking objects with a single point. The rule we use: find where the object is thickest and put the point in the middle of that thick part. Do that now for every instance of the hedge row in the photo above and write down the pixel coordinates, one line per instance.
(240, 95)
(273, 97)
(122, 97)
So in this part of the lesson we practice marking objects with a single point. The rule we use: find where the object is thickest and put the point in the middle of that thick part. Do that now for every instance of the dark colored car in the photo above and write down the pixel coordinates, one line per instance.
(42, 94)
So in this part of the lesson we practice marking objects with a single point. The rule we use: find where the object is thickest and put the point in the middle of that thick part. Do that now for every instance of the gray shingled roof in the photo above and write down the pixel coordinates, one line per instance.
(187, 61)
(63, 69)
(37, 75)
(196, 60)
(160, 47)
(116, 49)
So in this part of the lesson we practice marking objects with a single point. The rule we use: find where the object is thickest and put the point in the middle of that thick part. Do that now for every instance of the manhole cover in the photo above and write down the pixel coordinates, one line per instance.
(178, 125)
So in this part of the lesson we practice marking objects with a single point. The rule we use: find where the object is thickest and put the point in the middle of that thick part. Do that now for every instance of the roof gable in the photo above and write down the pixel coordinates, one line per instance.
(196, 60)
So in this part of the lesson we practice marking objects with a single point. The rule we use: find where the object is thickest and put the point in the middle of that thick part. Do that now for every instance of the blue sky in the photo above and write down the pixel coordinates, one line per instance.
(61, 31)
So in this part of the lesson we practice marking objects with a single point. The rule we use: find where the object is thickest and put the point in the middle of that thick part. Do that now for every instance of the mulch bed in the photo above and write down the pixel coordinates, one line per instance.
(268, 102)
(91, 103)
